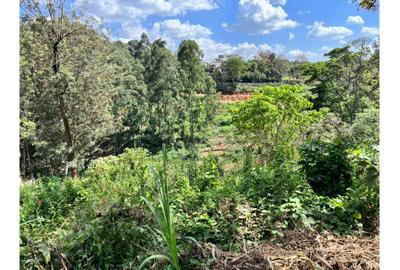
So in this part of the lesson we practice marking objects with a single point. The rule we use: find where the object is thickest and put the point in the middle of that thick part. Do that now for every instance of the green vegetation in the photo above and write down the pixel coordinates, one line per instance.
(129, 161)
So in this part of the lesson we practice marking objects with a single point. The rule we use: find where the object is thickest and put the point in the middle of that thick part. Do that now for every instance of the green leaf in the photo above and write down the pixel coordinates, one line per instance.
(153, 257)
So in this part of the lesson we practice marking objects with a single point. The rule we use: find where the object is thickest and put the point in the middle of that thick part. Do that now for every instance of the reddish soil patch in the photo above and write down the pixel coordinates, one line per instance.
(229, 98)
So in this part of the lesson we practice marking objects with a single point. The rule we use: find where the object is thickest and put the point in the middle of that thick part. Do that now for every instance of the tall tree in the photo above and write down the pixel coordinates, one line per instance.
(67, 76)
(194, 80)
(164, 95)
(273, 66)
(131, 104)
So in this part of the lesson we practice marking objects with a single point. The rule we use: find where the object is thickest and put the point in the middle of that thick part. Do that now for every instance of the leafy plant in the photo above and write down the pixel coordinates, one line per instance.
(164, 216)
(274, 118)
(326, 166)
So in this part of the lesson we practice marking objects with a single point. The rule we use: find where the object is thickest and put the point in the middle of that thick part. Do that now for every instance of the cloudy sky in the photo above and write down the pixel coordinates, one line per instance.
(243, 27)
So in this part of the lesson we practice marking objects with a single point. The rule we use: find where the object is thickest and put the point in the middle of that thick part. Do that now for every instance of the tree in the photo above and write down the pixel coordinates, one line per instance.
(67, 81)
(318, 77)
(274, 67)
(301, 58)
(348, 82)
(367, 4)
(274, 118)
(165, 90)
(253, 72)
(141, 49)
(195, 81)
(131, 103)
(233, 68)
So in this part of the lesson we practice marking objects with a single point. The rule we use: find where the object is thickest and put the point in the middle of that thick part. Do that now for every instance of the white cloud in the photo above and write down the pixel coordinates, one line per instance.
(141, 9)
(294, 54)
(355, 20)
(260, 17)
(304, 12)
(130, 14)
(278, 48)
(278, 2)
(174, 31)
(371, 31)
(291, 36)
(325, 49)
(131, 29)
(246, 50)
(318, 30)
(175, 28)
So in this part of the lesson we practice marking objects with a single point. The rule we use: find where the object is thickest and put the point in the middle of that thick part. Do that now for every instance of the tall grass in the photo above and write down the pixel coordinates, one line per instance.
(164, 216)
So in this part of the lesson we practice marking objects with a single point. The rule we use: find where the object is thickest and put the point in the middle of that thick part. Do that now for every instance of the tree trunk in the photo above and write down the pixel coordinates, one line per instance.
(68, 138)
(23, 167)
(61, 106)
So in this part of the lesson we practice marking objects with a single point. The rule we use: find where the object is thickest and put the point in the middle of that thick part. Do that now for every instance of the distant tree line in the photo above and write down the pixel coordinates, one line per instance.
(266, 67)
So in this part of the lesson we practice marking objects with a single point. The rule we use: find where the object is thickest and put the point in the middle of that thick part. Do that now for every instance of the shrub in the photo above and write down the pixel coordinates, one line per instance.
(274, 118)
(45, 209)
(115, 238)
(326, 166)
(365, 128)
(328, 129)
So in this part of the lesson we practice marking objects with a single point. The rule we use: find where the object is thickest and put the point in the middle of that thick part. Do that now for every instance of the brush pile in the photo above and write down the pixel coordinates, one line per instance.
(300, 250)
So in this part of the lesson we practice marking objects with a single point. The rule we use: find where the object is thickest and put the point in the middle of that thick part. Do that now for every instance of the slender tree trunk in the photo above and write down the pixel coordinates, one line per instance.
(62, 108)
(23, 165)
(68, 138)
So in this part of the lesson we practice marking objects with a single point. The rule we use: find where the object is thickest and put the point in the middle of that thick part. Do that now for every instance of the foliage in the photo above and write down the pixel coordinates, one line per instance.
(110, 238)
(274, 118)
(195, 81)
(328, 129)
(368, 4)
(45, 208)
(348, 82)
(365, 129)
(83, 78)
(366, 164)
(164, 214)
(233, 68)
(290, 157)
(326, 166)
(131, 103)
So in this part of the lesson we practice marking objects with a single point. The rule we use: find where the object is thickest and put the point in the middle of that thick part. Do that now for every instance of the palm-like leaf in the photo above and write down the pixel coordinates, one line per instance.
(164, 216)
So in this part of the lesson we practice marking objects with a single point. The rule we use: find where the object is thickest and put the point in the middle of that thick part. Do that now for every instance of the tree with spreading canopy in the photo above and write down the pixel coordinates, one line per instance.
(67, 83)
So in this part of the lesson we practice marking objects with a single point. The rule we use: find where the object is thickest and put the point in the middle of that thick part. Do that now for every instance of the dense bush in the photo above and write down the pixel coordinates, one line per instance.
(109, 239)
(365, 129)
(326, 166)
(99, 221)
(274, 119)
(45, 209)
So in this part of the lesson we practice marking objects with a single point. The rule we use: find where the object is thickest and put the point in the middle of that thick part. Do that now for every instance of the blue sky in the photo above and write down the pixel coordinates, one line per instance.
(243, 27)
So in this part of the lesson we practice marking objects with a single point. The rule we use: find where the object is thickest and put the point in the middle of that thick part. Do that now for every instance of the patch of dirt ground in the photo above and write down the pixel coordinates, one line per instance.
(229, 98)
(298, 250)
